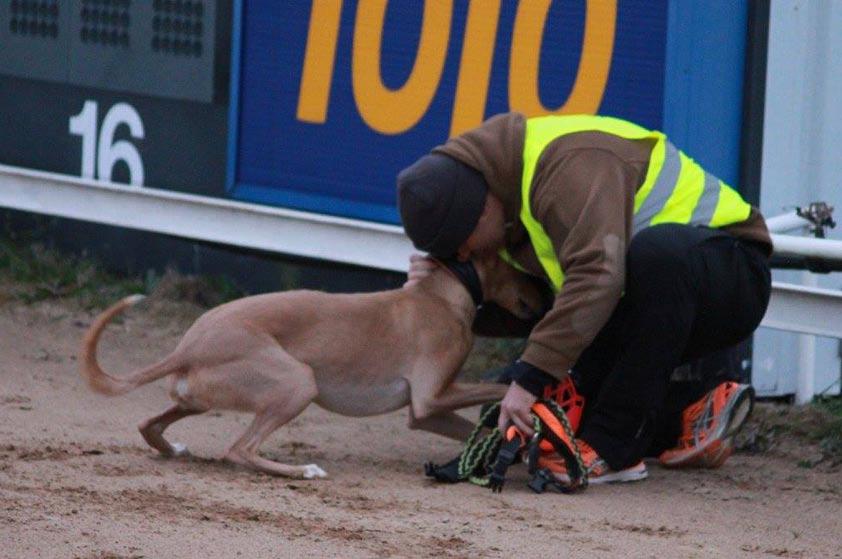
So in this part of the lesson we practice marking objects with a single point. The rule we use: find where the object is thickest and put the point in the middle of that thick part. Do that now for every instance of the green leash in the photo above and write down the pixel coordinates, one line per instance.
(484, 461)
(479, 452)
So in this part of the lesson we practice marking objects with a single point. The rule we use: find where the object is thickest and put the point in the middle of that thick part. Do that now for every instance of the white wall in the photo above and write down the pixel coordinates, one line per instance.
(802, 162)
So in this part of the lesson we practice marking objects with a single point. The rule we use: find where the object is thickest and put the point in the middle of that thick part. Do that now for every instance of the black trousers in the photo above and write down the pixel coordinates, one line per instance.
(690, 291)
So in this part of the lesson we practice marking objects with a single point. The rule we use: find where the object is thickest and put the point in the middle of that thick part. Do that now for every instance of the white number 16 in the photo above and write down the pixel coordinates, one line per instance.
(108, 152)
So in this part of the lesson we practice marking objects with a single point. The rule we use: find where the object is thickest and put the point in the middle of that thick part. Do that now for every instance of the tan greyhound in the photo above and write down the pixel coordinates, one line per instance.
(357, 355)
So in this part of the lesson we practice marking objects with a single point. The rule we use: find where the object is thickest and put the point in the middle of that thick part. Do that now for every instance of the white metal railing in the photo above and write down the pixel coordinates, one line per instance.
(205, 218)
(805, 309)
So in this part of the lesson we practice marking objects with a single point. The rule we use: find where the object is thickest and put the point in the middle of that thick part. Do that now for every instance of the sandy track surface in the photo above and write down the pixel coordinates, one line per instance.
(77, 480)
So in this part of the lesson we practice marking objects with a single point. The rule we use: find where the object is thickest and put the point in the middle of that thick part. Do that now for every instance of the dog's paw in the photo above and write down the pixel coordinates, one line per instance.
(312, 471)
(179, 449)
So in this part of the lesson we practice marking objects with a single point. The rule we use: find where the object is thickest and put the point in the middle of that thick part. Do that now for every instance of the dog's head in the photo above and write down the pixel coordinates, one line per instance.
(525, 296)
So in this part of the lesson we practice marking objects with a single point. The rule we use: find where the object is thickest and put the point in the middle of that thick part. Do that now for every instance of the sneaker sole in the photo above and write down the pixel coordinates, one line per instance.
(735, 414)
(715, 457)
(635, 473)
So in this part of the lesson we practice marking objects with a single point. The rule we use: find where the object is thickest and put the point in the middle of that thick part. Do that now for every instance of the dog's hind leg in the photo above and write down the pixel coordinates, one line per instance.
(244, 451)
(279, 387)
(153, 430)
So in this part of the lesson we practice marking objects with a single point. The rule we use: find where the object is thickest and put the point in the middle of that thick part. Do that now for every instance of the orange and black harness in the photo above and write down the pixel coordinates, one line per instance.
(486, 459)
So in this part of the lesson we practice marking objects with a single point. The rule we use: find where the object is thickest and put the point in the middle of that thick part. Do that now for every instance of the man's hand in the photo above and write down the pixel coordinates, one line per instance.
(527, 383)
(515, 409)
(420, 267)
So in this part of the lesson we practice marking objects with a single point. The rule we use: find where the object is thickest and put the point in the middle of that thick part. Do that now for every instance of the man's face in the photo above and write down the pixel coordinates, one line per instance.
(488, 235)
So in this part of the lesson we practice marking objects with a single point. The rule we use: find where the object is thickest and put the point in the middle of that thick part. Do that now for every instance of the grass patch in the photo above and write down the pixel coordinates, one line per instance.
(828, 433)
(785, 427)
(32, 272)
(204, 291)
(489, 354)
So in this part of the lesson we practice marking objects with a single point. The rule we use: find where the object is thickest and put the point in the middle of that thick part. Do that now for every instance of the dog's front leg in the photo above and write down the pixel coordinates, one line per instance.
(452, 397)
(447, 424)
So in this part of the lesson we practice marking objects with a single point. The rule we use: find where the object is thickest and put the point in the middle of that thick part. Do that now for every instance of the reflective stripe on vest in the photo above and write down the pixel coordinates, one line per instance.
(676, 189)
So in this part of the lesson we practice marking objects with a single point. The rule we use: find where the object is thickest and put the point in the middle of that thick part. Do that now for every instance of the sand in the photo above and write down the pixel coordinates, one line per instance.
(77, 480)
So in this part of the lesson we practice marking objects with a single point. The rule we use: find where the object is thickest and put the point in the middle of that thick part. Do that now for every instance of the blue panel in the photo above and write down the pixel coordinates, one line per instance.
(234, 106)
(636, 82)
(704, 81)
(344, 167)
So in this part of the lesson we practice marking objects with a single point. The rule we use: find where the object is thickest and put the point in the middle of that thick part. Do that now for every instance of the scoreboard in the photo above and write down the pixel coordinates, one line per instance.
(313, 106)
(159, 48)
(117, 90)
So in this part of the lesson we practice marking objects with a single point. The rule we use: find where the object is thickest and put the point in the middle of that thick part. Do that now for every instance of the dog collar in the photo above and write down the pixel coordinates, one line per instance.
(467, 275)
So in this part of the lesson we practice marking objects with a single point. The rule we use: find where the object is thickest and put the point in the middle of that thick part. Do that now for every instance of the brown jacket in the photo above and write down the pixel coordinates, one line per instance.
(583, 195)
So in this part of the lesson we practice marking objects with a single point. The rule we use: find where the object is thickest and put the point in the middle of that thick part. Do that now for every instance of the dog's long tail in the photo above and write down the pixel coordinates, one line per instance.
(99, 380)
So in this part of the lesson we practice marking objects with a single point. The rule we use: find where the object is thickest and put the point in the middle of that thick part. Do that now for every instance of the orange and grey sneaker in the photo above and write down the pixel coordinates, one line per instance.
(597, 469)
(709, 426)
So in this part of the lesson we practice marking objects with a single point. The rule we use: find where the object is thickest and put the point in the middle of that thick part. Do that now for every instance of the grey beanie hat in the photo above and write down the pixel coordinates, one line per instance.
(440, 200)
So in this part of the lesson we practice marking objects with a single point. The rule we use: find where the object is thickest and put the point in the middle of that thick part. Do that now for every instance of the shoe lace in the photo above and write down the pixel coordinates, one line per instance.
(698, 418)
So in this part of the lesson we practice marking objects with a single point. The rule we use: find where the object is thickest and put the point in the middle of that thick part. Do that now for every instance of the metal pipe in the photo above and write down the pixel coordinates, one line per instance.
(789, 245)
(815, 265)
(785, 223)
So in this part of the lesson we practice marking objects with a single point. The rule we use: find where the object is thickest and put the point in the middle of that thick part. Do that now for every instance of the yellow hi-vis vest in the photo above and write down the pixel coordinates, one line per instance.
(676, 189)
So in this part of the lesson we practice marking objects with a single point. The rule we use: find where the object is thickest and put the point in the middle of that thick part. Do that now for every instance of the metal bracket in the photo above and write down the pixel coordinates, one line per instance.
(820, 215)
